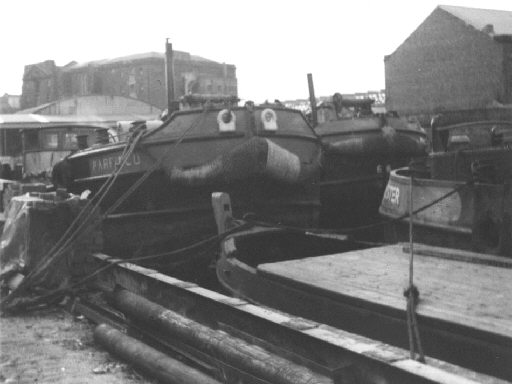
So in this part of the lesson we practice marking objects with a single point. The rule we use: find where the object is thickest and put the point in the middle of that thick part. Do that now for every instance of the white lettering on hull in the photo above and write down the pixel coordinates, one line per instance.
(110, 163)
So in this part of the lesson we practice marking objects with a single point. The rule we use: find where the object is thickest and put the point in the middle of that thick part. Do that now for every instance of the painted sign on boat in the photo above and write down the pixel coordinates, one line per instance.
(392, 194)
(107, 164)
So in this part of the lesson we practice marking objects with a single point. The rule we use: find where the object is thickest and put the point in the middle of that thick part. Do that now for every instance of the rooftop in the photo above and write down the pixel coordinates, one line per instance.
(179, 55)
(483, 19)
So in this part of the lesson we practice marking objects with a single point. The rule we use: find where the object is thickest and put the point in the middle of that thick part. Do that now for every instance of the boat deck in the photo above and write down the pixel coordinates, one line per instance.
(462, 289)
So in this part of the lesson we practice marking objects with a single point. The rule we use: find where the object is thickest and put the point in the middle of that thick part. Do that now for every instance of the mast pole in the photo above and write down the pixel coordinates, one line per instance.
(312, 100)
(169, 76)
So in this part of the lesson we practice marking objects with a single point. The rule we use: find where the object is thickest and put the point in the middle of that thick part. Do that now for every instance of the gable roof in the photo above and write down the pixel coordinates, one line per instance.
(482, 19)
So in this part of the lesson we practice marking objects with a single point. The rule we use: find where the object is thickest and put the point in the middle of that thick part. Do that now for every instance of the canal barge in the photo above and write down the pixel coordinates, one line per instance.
(267, 157)
(463, 313)
(463, 193)
(361, 147)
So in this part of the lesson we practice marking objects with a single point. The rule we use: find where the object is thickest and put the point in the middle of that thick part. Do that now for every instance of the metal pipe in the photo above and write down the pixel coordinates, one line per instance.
(148, 359)
(231, 350)
(312, 100)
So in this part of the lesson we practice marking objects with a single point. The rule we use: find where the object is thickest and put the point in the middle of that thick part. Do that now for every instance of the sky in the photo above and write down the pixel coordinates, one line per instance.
(273, 44)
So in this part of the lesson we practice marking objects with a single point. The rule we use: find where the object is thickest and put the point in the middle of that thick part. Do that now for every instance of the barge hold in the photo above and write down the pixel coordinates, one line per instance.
(463, 312)
(199, 324)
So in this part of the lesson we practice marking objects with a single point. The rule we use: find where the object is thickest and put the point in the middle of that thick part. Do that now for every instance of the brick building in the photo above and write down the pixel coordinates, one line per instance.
(457, 59)
(140, 76)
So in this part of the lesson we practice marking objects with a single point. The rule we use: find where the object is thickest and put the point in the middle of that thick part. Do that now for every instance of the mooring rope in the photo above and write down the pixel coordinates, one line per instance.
(349, 230)
(412, 292)
(71, 234)
(156, 165)
(57, 294)
(67, 240)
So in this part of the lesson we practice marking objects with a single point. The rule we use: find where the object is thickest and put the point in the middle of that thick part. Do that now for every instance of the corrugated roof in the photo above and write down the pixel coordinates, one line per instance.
(18, 120)
(501, 21)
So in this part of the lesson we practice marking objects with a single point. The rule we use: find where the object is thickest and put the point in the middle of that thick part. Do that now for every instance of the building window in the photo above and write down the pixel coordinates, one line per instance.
(70, 140)
(30, 139)
(50, 140)
(131, 84)
(98, 84)
(83, 84)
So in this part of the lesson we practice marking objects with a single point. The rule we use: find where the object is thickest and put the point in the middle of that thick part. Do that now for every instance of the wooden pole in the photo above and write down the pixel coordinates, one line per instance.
(169, 76)
(148, 359)
(411, 240)
(312, 100)
(226, 348)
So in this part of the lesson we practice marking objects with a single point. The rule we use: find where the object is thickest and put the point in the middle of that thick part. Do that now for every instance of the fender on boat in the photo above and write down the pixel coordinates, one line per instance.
(387, 142)
(258, 156)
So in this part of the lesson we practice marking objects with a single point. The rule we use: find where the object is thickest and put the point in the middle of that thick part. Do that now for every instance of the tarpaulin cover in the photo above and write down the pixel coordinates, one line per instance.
(27, 234)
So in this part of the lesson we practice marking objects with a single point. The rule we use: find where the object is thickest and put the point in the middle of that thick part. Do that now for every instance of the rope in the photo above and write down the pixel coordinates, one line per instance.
(70, 235)
(412, 292)
(56, 294)
(67, 239)
(154, 167)
(247, 218)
